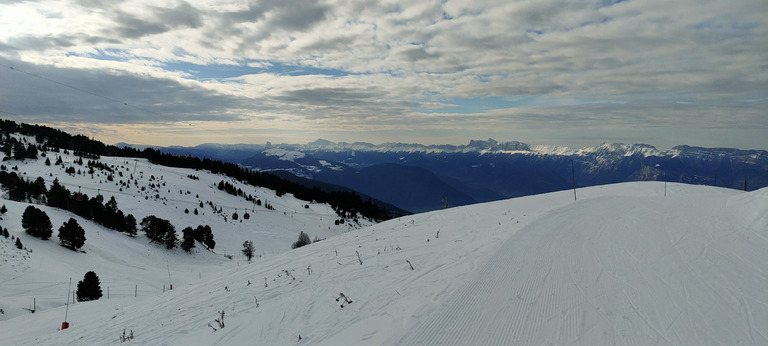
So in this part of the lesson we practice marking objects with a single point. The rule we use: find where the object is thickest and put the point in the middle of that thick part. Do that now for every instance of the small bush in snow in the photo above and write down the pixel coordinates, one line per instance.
(303, 240)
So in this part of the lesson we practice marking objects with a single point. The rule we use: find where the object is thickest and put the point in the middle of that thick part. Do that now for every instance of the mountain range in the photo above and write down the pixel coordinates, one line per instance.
(632, 263)
(488, 170)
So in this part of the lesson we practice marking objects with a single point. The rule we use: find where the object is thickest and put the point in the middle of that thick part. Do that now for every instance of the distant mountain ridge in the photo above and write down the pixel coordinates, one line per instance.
(487, 170)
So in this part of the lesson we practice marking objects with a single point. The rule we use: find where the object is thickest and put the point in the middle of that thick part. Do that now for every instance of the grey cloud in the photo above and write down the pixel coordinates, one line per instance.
(163, 20)
(130, 26)
(102, 97)
(183, 15)
(273, 16)
(330, 44)
(298, 15)
(330, 96)
(416, 53)
(346, 103)
(40, 43)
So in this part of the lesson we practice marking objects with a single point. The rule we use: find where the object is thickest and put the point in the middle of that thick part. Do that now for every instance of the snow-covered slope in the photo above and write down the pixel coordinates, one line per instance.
(622, 265)
(130, 266)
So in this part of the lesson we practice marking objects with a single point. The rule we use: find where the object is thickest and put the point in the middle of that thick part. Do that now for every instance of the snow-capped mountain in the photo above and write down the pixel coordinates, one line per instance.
(487, 170)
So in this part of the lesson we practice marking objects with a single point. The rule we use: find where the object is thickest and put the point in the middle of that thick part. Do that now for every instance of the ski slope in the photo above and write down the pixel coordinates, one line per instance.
(131, 267)
(623, 265)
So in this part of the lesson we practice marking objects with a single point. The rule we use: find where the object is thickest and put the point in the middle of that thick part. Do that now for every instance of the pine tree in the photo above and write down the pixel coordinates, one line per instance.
(170, 239)
(204, 234)
(188, 239)
(89, 288)
(159, 231)
(18, 244)
(129, 225)
(36, 223)
(31, 151)
(248, 249)
(72, 235)
(3, 209)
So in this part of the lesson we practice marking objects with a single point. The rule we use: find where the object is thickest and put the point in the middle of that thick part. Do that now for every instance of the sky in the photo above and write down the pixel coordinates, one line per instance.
(553, 72)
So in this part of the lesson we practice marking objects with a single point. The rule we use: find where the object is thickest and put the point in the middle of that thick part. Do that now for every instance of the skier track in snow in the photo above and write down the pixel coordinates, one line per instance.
(613, 279)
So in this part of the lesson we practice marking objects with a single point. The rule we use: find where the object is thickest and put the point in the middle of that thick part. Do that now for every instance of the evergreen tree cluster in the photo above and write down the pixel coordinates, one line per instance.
(159, 231)
(202, 234)
(15, 149)
(346, 203)
(20, 189)
(107, 214)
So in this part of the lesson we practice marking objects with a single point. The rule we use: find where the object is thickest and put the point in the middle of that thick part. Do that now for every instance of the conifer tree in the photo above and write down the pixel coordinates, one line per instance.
(157, 230)
(129, 225)
(188, 239)
(36, 223)
(248, 249)
(18, 244)
(72, 235)
(204, 234)
(89, 288)
(170, 239)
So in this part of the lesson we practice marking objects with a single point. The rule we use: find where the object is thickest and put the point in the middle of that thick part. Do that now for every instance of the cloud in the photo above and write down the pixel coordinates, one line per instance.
(42, 93)
(395, 64)
(160, 20)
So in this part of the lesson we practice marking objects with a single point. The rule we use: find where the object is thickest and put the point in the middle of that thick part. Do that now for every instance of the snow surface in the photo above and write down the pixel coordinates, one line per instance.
(286, 155)
(622, 265)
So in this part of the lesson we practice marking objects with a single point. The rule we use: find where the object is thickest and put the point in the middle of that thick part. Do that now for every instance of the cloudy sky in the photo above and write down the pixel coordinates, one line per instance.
(559, 72)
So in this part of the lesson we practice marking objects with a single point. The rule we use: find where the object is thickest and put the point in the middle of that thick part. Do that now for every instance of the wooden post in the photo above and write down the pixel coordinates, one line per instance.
(136, 291)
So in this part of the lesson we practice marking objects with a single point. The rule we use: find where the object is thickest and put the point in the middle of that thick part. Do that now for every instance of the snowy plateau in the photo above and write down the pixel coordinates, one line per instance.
(624, 264)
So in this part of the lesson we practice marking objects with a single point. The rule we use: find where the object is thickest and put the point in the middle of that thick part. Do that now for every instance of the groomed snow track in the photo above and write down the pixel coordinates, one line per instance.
(612, 278)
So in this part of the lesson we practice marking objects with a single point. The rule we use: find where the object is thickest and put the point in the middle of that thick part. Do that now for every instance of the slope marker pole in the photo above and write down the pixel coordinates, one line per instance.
(65, 325)
(573, 173)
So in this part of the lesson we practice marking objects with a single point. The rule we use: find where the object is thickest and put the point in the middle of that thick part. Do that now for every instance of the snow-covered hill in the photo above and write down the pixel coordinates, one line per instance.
(130, 266)
(624, 264)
